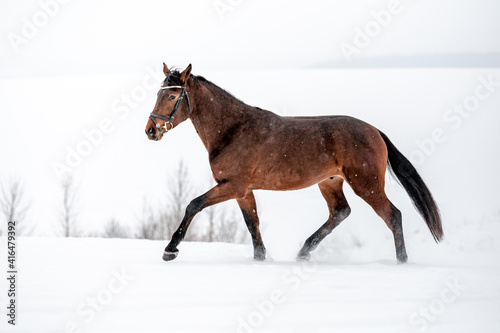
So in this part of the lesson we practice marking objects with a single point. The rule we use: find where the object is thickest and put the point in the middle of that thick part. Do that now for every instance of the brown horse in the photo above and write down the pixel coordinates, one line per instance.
(254, 149)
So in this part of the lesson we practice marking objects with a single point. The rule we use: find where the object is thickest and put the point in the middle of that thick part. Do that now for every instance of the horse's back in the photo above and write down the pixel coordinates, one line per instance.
(296, 152)
(338, 131)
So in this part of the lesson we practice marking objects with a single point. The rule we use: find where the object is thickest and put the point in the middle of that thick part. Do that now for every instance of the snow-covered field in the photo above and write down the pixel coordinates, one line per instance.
(352, 283)
(96, 285)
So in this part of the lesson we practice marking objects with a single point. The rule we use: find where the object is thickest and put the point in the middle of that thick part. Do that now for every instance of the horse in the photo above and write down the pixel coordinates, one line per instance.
(254, 149)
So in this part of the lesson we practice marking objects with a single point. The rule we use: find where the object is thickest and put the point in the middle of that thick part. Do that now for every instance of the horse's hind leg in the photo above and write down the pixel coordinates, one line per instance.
(331, 189)
(392, 217)
(249, 210)
(371, 189)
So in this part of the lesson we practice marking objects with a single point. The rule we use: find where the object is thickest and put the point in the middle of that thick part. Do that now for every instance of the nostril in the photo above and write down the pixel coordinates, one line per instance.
(151, 130)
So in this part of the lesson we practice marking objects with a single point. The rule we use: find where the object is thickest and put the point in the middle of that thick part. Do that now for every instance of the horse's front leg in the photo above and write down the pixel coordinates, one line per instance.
(217, 194)
(249, 210)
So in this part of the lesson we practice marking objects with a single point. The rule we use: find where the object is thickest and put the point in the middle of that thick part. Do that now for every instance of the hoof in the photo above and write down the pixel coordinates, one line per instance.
(402, 260)
(303, 257)
(168, 256)
(259, 257)
(259, 254)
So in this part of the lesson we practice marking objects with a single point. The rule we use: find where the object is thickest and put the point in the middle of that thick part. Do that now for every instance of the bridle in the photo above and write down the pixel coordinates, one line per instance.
(171, 118)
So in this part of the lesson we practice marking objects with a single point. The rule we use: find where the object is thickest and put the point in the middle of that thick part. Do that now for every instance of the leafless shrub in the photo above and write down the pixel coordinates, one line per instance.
(113, 229)
(223, 226)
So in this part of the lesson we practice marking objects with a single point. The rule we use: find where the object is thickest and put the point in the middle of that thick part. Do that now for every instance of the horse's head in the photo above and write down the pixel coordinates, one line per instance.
(172, 105)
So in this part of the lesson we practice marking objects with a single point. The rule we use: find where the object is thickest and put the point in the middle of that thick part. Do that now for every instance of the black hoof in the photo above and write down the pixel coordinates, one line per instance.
(402, 260)
(303, 257)
(259, 255)
(168, 256)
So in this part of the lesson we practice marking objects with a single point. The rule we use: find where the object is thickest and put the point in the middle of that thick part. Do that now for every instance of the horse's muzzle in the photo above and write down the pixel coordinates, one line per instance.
(152, 134)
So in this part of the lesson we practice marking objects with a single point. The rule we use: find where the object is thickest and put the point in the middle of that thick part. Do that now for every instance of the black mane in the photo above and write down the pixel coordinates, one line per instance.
(174, 79)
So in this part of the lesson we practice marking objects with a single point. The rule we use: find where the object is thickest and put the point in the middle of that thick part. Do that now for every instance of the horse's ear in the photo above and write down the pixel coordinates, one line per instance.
(185, 73)
(165, 69)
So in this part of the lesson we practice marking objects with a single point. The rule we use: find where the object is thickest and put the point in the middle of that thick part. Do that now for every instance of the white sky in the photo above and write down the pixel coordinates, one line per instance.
(121, 36)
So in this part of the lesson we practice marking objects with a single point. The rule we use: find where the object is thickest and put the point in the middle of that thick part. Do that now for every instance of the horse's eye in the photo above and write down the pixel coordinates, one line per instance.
(171, 98)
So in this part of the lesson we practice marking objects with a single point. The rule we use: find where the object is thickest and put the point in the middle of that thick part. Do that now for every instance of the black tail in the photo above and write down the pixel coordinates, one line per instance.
(420, 195)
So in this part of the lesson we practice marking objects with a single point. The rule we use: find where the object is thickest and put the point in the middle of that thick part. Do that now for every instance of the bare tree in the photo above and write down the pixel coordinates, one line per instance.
(14, 204)
(161, 222)
(210, 233)
(150, 225)
(178, 197)
(69, 213)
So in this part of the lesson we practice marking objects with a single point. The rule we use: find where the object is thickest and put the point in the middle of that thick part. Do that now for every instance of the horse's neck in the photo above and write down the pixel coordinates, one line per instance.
(215, 113)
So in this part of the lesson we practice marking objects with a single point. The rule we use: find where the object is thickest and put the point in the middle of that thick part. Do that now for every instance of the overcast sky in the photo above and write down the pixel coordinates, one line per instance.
(117, 36)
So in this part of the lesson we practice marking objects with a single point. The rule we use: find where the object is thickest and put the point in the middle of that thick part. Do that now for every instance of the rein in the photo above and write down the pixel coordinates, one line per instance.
(171, 118)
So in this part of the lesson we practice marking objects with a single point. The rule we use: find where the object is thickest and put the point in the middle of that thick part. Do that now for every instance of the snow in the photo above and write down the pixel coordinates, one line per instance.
(112, 285)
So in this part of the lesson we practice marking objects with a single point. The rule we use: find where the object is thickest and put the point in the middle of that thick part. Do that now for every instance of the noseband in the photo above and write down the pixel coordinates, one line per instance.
(171, 118)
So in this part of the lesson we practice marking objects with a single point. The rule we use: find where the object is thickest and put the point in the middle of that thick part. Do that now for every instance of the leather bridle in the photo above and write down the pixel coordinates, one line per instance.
(169, 120)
